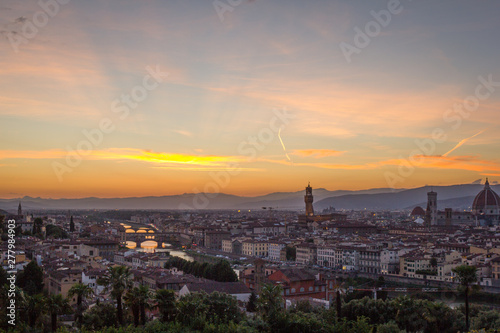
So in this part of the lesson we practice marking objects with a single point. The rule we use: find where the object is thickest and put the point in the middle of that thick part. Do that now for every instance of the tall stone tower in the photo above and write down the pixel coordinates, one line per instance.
(308, 199)
(19, 209)
(431, 212)
(260, 273)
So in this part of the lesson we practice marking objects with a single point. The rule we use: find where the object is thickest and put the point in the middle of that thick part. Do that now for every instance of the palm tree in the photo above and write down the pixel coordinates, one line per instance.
(466, 276)
(56, 305)
(81, 291)
(270, 300)
(144, 298)
(137, 298)
(34, 307)
(131, 298)
(165, 301)
(118, 280)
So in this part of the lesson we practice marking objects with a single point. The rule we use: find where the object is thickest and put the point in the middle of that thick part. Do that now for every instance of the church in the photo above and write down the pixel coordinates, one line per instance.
(309, 216)
(485, 208)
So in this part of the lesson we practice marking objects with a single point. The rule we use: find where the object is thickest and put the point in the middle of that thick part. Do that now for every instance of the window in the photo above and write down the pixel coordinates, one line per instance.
(293, 290)
(302, 289)
(310, 288)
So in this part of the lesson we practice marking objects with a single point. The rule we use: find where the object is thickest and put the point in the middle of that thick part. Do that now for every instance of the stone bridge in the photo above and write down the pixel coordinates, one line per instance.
(159, 237)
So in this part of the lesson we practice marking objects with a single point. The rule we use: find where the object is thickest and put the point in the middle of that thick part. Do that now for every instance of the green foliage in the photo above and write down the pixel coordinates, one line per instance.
(390, 327)
(81, 291)
(196, 309)
(53, 231)
(360, 325)
(37, 226)
(466, 276)
(56, 305)
(3, 276)
(291, 253)
(137, 299)
(118, 280)
(376, 311)
(434, 262)
(3, 225)
(217, 312)
(303, 306)
(270, 301)
(165, 301)
(252, 302)
(30, 279)
(489, 320)
(358, 294)
(221, 271)
(100, 316)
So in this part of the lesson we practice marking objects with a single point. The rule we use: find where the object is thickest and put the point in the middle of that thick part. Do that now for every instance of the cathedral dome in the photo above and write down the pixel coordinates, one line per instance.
(487, 201)
(418, 211)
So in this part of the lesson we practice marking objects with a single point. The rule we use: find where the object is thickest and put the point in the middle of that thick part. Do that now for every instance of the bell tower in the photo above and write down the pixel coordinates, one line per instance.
(308, 199)
(431, 212)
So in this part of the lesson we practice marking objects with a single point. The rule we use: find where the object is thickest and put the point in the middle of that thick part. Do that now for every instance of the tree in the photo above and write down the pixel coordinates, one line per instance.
(37, 226)
(34, 307)
(441, 318)
(433, 263)
(131, 299)
(466, 276)
(99, 317)
(81, 291)
(270, 301)
(410, 314)
(56, 305)
(291, 253)
(199, 308)
(338, 304)
(252, 302)
(3, 277)
(71, 224)
(117, 280)
(137, 298)
(165, 301)
(30, 279)
(3, 227)
(379, 284)
(224, 272)
(487, 320)
(55, 232)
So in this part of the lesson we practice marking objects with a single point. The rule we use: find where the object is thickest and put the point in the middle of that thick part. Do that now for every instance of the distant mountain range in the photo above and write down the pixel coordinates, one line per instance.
(454, 196)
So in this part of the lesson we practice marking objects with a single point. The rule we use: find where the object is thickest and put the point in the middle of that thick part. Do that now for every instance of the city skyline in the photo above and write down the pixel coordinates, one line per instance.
(252, 96)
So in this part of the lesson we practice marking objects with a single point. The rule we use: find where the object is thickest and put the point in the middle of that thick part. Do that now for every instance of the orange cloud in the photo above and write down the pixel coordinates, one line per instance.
(180, 161)
(469, 163)
(317, 153)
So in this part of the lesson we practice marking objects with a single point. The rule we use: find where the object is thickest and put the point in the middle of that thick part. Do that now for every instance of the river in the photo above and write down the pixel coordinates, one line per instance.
(152, 247)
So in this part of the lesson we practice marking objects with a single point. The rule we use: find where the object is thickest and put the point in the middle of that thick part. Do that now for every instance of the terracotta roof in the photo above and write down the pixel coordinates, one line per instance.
(487, 197)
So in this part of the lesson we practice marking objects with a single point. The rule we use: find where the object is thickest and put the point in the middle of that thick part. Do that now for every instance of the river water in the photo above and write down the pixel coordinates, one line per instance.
(152, 247)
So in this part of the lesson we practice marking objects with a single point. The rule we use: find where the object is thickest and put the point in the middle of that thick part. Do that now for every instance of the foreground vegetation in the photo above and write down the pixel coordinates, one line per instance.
(132, 308)
(218, 312)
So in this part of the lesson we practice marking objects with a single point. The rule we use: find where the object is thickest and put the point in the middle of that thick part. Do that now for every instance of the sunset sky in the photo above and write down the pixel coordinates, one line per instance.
(265, 88)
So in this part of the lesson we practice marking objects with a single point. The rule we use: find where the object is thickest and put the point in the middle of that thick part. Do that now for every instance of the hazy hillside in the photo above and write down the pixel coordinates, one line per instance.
(455, 196)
